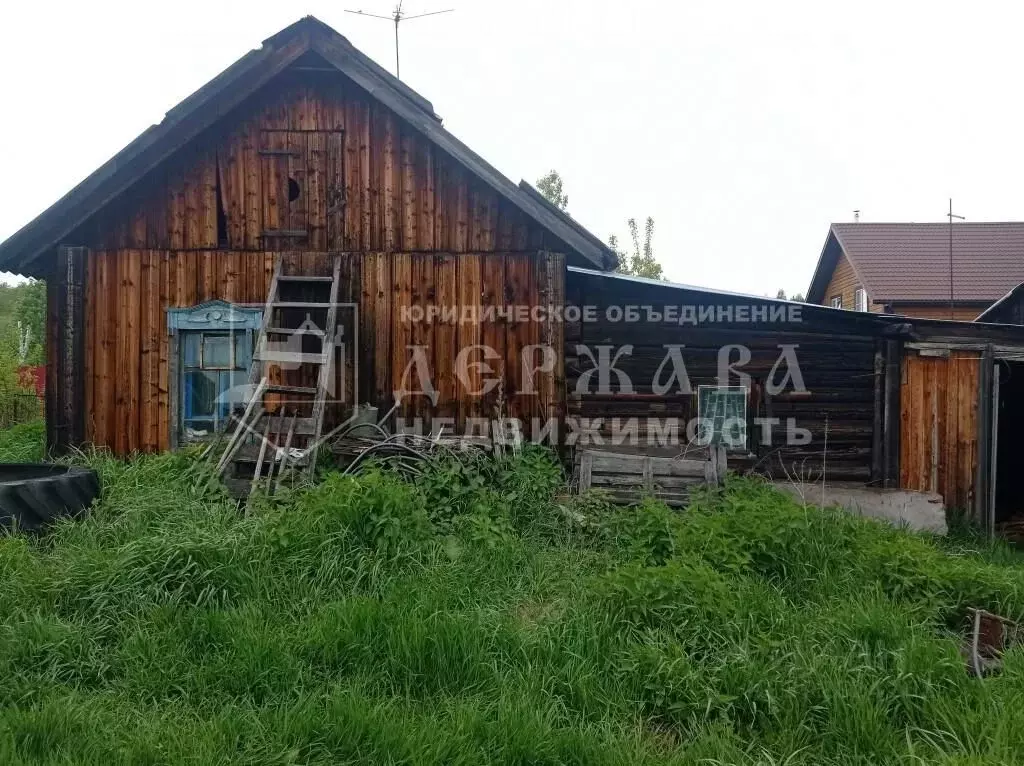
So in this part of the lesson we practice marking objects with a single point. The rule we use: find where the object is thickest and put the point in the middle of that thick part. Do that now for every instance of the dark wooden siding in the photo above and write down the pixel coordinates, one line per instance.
(402, 194)
(837, 360)
(127, 382)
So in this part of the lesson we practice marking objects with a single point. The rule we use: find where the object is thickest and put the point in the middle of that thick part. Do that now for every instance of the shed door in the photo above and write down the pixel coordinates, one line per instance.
(939, 420)
(302, 172)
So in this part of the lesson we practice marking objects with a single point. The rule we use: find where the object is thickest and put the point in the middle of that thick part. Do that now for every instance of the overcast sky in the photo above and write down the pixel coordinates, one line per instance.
(743, 128)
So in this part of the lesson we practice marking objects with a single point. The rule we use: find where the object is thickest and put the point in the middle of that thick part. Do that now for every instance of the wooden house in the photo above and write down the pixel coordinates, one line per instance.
(306, 165)
(926, 270)
(306, 152)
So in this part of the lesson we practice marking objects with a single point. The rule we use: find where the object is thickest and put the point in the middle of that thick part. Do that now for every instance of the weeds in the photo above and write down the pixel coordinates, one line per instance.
(472, 617)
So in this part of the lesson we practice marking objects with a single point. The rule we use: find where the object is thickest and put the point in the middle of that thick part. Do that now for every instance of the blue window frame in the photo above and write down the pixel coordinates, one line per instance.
(213, 344)
(213, 363)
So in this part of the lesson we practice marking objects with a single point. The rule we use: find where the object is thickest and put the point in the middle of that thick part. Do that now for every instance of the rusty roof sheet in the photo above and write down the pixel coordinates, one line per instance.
(910, 261)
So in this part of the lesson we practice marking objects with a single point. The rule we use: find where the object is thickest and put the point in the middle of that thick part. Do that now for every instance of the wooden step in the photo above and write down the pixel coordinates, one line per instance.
(296, 331)
(238, 488)
(303, 278)
(303, 426)
(300, 305)
(250, 453)
(289, 357)
(275, 388)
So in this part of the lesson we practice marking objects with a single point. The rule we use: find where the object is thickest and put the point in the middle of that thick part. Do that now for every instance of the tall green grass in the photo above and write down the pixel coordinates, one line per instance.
(471, 617)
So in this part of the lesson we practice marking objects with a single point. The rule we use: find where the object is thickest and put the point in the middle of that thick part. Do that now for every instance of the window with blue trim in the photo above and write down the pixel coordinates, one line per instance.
(213, 363)
(212, 352)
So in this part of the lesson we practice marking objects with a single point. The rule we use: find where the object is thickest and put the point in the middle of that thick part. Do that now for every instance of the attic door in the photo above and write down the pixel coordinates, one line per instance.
(302, 173)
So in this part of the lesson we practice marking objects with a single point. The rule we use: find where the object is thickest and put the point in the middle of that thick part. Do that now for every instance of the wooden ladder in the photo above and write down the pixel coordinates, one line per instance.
(272, 425)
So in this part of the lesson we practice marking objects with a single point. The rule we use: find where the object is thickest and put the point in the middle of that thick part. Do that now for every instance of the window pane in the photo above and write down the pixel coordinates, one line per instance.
(200, 394)
(191, 349)
(216, 351)
(228, 397)
(243, 351)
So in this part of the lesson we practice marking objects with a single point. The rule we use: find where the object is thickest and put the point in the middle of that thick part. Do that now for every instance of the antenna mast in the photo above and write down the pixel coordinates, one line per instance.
(397, 17)
(951, 215)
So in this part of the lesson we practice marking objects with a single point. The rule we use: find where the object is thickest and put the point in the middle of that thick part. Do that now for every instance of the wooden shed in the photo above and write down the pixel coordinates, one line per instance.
(833, 395)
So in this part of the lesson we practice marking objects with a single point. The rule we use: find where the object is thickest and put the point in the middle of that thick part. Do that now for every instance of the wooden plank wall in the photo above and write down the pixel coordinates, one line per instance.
(939, 426)
(402, 194)
(127, 390)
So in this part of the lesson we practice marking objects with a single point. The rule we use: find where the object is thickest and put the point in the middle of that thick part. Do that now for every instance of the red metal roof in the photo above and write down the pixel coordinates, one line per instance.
(910, 261)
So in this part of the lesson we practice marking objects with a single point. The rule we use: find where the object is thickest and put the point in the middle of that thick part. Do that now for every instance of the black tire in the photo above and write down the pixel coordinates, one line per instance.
(31, 494)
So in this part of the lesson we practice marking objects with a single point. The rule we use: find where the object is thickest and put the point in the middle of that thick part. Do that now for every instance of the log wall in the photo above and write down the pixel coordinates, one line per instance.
(836, 358)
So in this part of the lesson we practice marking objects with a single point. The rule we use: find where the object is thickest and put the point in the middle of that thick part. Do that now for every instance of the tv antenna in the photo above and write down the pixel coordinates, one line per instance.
(951, 215)
(397, 16)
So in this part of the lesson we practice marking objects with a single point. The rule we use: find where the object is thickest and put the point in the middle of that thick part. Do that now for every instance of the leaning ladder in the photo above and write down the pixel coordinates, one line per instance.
(276, 433)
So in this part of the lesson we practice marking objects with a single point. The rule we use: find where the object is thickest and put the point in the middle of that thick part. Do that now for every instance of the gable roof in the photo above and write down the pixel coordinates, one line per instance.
(909, 262)
(229, 89)
(995, 312)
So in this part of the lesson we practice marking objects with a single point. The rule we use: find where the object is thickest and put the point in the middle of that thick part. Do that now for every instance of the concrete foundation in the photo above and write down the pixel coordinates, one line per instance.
(921, 511)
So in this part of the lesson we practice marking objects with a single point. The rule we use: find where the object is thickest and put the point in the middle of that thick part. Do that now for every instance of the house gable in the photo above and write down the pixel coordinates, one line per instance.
(197, 180)
(312, 152)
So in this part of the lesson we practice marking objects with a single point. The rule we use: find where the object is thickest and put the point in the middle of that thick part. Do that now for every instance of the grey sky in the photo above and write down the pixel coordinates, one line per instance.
(743, 128)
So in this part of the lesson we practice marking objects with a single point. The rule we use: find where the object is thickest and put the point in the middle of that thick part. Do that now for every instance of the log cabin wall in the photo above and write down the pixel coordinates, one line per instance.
(837, 358)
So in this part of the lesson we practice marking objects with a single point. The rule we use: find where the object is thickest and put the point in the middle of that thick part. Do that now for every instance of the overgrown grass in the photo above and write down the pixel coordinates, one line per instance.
(471, 618)
(22, 443)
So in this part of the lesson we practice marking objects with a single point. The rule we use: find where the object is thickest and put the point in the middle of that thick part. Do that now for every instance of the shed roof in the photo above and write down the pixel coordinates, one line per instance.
(226, 91)
(817, 317)
(909, 262)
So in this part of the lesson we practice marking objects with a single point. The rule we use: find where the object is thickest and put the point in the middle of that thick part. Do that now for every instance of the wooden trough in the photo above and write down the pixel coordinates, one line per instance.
(629, 478)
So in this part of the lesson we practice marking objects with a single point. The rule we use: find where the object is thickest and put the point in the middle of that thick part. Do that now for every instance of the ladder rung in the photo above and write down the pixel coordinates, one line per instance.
(300, 305)
(303, 426)
(290, 357)
(296, 331)
(303, 278)
(275, 388)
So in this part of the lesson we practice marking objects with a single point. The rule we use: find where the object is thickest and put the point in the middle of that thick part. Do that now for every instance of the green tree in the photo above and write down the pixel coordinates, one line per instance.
(30, 317)
(798, 297)
(551, 187)
(641, 261)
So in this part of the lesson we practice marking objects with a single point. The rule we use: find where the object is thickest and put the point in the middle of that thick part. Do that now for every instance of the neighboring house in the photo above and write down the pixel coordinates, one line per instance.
(904, 268)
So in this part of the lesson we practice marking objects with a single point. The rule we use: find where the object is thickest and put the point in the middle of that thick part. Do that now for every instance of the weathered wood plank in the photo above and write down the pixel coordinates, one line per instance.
(409, 190)
(401, 338)
(469, 336)
(445, 336)
(493, 333)
(149, 352)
